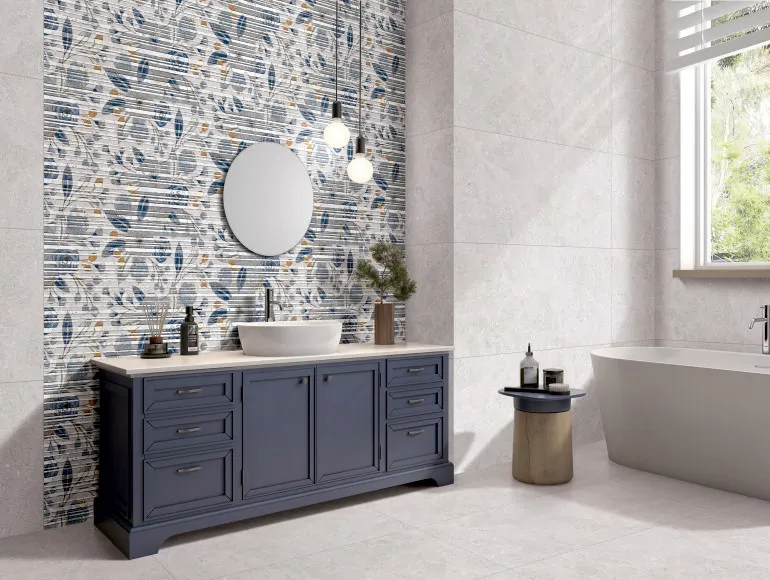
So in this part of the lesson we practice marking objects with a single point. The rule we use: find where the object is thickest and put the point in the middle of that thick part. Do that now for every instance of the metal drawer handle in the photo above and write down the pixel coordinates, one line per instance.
(416, 370)
(415, 401)
(189, 469)
(413, 433)
(188, 430)
(304, 380)
(188, 391)
(328, 378)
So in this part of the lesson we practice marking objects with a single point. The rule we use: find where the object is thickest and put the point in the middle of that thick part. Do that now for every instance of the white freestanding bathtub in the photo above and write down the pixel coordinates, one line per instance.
(698, 415)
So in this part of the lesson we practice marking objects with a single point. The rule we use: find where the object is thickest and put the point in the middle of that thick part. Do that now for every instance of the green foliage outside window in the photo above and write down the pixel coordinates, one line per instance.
(740, 157)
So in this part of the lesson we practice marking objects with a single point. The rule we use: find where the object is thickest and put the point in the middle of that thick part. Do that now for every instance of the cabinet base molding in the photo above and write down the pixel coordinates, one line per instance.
(146, 540)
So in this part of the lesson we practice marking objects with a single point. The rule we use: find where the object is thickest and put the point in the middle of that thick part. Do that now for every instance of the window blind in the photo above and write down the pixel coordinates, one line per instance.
(699, 32)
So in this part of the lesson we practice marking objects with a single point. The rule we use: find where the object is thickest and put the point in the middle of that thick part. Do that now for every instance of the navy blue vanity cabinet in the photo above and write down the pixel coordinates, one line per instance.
(416, 431)
(185, 451)
(347, 420)
(278, 430)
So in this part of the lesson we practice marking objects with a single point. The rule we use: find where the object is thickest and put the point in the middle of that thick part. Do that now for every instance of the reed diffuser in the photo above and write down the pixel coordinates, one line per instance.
(155, 314)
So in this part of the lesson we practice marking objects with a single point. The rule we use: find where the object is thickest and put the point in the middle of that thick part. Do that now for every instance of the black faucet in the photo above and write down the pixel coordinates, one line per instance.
(270, 304)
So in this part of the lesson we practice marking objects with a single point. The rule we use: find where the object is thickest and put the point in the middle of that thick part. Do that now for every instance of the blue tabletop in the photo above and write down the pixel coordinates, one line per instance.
(573, 394)
(542, 402)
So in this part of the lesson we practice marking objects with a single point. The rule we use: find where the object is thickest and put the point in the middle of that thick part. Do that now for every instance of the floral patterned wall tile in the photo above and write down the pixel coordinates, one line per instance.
(147, 102)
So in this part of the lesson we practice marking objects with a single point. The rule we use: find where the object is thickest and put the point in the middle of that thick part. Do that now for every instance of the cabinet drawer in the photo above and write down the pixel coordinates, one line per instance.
(415, 370)
(163, 434)
(402, 403)
(187, 483)
(187, 392)
(414, 443)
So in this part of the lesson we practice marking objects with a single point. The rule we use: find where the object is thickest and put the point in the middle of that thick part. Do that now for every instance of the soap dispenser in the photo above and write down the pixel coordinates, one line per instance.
(189, 334)
(530, 370)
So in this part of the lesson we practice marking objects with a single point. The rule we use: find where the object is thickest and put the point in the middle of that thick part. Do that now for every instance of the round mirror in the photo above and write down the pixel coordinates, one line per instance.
(268, 199)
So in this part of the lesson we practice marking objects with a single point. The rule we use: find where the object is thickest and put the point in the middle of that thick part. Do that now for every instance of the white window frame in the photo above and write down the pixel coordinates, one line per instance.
(695, 174)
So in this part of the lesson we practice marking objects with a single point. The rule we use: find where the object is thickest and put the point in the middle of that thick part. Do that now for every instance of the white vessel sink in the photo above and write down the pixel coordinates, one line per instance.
(290, 338)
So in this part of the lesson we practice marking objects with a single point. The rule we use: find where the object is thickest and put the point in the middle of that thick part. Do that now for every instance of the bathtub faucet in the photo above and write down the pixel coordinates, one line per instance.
(765, 320)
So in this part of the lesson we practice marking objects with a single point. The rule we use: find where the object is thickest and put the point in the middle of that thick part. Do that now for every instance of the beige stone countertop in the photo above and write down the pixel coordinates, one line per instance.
(135, 366)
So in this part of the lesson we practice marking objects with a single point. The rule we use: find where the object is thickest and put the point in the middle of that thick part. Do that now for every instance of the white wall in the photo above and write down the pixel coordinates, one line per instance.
(21, 267)
(711, 314)
(542, 152)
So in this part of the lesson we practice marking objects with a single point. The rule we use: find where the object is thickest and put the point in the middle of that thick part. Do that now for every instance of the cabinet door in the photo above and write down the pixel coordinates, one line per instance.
(278, 417)
(347, 441)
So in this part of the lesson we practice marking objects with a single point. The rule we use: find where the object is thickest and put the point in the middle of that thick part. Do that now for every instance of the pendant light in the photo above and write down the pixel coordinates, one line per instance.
(336, 133)
(360, 169)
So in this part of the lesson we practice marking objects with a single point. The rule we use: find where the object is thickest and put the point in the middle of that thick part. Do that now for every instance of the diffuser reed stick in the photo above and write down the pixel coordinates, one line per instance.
(155, 315)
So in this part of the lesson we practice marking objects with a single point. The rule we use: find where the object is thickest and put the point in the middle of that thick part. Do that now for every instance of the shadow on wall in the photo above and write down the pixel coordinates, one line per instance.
(21, 464)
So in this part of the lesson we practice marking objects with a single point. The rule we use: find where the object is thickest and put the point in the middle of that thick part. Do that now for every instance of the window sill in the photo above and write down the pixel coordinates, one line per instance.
(706, 273)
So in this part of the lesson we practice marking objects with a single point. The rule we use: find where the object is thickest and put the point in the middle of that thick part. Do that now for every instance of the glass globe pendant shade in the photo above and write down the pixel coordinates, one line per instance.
(336, 133)
(360, 169)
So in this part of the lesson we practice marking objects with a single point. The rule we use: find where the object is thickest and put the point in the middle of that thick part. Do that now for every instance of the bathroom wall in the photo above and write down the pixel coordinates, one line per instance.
(712, 314)
(533, 212)
(21, 268)
(146, 105)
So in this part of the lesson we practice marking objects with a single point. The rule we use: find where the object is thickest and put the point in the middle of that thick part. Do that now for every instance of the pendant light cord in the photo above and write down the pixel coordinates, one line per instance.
(360, 61)
(336, 50)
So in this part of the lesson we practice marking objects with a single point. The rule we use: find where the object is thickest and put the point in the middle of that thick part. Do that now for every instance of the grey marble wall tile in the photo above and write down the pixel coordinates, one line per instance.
(633, 295)
(506, 296)
(517, 191)
(430, 312)
(712, 311)
(483, 434)
(633, 32)
(518, 84)
(633, 203)
(420, 11)
(430, 187)
(633, 111)
(584, 24)
(21, 152)
(21, 297)
(21, 457)
(430, 75)
(667, 206)
(21, 38)
(661, 29)
(667, 115)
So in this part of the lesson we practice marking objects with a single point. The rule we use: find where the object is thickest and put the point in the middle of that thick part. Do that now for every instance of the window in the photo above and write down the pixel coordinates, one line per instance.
(737, 189)
(725, 132)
